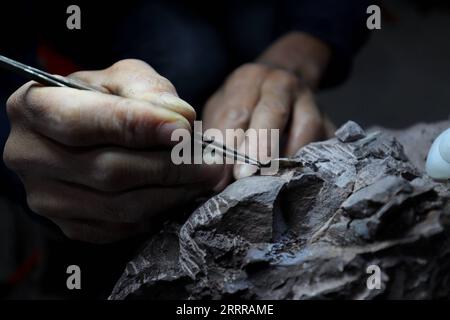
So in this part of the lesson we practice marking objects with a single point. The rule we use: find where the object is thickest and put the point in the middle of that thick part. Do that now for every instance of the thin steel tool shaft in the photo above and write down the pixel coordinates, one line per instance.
(48, 79)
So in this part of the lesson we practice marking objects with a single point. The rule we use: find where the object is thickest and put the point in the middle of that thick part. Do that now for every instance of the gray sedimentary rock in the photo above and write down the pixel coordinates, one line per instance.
(310, 231)
(349, 132)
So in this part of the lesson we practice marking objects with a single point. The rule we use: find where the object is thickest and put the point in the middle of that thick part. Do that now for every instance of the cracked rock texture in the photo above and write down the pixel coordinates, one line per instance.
(312, 230)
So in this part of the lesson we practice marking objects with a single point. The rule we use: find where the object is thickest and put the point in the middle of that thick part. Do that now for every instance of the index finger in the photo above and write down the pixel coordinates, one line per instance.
(271, 112)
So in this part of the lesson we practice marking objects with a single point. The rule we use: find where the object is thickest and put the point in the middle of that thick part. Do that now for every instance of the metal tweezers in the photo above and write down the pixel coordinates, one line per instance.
(48, 79)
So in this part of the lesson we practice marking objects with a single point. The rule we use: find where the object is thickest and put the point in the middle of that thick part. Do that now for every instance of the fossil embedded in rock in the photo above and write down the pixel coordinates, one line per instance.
(311, 230)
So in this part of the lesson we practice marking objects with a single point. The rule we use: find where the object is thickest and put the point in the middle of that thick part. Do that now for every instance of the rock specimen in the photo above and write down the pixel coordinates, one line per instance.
(311, 231)
(350, 132)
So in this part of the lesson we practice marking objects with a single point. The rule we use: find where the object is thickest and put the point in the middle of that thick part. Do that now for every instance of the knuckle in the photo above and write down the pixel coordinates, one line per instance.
(127, 63)
(251, 68)
(93, 77)
(141, 75)
(248, 70)
(108, 174)
(148, 82)
(13, 106)
(79, 74)
(238, 116)
(11, 155)
(161, 84)
(131, 123)
(36, 108)
(289, 79)
(42, 204)
(275, 109)
(25, 101)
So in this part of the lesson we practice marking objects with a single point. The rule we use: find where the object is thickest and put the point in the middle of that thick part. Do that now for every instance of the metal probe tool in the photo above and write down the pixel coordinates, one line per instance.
(48, 79)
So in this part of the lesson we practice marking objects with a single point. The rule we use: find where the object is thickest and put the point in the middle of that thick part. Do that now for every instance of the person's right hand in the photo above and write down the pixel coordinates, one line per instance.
(99, 164)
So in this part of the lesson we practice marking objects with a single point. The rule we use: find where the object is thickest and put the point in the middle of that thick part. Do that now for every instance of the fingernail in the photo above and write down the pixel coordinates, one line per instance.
(174, 102)
(165, 131)
(246, 170)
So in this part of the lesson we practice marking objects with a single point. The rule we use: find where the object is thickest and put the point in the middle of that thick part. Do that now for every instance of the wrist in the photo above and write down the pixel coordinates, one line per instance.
(300, 53)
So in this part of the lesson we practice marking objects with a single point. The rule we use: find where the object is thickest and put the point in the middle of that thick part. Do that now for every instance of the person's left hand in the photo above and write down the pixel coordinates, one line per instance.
(263, 97)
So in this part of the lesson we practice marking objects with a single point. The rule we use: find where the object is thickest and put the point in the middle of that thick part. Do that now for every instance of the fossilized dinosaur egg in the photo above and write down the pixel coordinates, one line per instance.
(438, 160)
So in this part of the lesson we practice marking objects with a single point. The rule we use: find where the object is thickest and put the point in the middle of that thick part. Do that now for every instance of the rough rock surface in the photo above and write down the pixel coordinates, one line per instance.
(311, 231)
(349, 132)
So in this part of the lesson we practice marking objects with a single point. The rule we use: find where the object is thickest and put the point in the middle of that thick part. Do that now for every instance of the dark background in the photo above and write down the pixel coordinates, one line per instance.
(402, 75)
